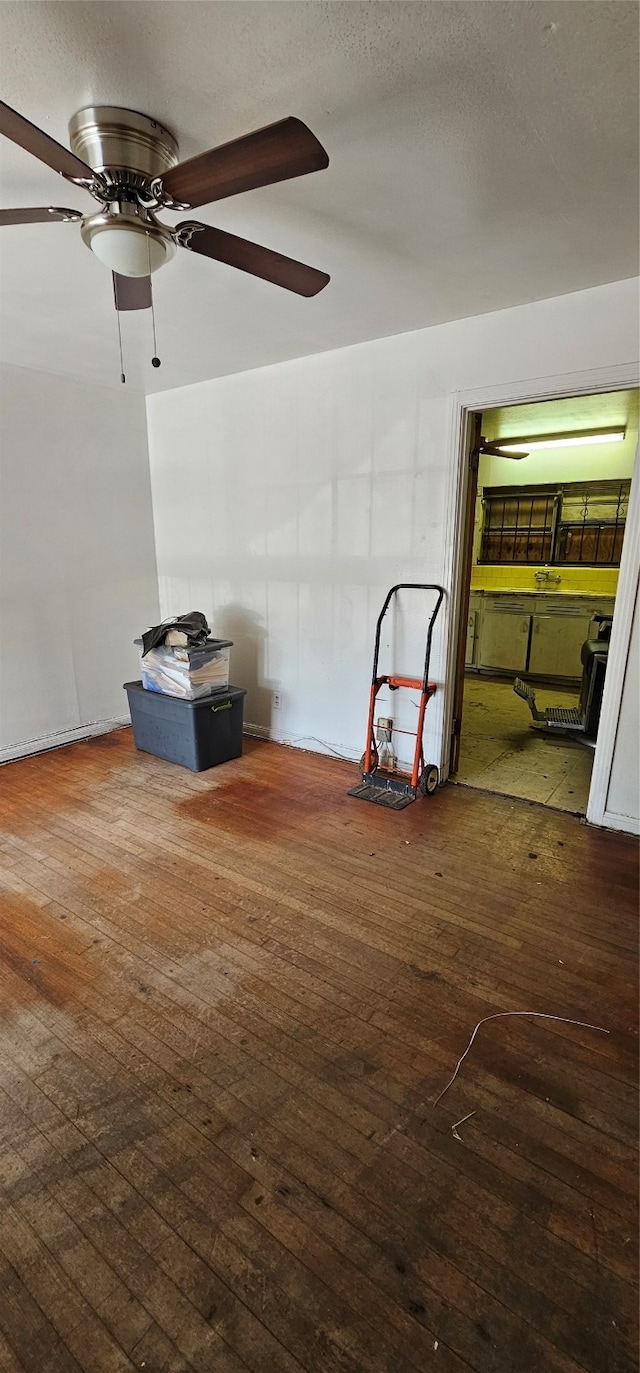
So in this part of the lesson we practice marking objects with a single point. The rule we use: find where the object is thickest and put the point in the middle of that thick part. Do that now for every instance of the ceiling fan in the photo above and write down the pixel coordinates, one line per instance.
(129, 164)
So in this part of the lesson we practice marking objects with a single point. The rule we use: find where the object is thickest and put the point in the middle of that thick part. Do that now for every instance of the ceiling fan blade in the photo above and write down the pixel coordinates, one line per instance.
(495, 451)
(131, 293)
(39, 216)
(272, 154)
(252, 258)
(36, 141)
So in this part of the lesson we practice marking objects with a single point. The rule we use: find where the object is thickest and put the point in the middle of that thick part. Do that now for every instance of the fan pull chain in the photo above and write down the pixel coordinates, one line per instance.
(122, 375)
(155, 361)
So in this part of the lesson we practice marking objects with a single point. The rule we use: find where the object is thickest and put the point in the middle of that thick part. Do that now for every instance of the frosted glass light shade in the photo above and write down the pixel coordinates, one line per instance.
(126, 245)
(130, 253)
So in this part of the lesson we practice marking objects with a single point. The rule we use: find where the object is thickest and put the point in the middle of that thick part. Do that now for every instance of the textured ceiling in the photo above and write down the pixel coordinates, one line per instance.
(562, 416)
(482, 155)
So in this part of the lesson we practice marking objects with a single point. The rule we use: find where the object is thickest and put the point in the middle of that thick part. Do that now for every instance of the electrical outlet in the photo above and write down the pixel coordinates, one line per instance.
(277, 700)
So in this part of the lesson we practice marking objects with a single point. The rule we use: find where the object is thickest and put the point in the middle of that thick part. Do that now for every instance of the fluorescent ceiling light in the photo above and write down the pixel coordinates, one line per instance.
(576, 439)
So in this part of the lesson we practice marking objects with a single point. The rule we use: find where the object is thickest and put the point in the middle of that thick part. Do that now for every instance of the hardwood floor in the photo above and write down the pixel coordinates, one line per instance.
(227, 1004)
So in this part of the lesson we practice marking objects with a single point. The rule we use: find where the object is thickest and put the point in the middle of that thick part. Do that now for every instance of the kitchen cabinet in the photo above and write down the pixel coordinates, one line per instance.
(504, 637)
(556, 642)
(533, 634)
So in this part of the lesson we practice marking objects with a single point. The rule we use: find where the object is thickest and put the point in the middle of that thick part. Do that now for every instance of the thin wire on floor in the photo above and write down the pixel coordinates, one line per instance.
(501, 1015)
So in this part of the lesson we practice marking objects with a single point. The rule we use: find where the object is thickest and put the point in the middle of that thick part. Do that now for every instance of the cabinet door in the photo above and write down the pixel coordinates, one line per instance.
(504, 639)
(556, 643)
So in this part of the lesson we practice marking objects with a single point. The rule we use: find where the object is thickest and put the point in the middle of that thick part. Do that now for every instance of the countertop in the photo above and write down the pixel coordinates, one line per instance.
(544, 590)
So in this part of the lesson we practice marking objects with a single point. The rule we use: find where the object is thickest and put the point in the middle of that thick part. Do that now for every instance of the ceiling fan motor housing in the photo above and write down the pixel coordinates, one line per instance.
(129, 151)
(112, 140)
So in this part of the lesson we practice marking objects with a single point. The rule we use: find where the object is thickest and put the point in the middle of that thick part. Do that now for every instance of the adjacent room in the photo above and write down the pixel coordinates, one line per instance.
(548, 536)
(319, 739)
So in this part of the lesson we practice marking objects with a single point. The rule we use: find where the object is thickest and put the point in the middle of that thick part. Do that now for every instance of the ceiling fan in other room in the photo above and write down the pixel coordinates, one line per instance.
(129, 164)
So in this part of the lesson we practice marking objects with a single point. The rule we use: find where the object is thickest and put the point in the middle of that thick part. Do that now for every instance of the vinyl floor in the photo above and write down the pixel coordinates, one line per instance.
(502, 752)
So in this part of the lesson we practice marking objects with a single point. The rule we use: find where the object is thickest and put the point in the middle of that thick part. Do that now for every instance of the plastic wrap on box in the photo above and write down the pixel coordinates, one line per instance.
(188, 673)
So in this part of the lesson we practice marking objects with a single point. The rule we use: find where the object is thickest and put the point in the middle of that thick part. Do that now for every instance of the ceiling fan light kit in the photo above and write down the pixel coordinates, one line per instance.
(128, 239)
(129, 163)
(129, 152)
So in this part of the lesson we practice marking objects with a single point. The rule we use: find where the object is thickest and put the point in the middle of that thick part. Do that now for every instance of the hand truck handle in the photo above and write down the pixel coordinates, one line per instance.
(409, 586)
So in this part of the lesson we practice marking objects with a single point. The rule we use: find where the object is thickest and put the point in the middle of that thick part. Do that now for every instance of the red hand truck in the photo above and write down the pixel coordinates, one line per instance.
(397, 788)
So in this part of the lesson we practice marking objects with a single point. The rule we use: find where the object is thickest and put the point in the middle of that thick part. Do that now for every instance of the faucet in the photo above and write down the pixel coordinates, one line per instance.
(545, 576)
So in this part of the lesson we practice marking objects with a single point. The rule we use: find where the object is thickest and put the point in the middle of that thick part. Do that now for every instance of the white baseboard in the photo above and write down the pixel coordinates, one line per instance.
(74, 736)
(303, 742)
(256, 731)
(57, 740)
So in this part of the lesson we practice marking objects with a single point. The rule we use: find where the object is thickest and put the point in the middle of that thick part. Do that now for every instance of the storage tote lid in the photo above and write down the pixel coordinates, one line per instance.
(212, 700)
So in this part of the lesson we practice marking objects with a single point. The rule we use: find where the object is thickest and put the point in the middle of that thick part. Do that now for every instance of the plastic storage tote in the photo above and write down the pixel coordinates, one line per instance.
(196, 734)
(189, 673)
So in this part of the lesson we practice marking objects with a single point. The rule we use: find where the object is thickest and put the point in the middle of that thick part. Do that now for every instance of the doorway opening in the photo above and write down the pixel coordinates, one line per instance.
(543, 538)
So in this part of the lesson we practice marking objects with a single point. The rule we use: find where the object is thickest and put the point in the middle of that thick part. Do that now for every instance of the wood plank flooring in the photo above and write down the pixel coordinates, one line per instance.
(227, 1004)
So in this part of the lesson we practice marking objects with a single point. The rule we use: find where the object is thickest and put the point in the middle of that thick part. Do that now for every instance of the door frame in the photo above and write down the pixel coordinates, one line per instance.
(621, 377)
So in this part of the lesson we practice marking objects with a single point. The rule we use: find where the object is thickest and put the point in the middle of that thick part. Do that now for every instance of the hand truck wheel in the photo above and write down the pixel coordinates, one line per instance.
(429, 780)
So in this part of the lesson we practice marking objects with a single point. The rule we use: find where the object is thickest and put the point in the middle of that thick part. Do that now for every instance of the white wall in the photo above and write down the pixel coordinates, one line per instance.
(287, 500)
(77, 558)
